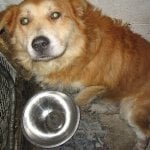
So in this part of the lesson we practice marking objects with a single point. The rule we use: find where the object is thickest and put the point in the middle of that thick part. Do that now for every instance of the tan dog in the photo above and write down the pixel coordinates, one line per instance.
(70, 44)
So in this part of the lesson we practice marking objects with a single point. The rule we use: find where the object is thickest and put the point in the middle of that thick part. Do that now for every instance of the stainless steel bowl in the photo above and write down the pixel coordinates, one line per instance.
(50, 119)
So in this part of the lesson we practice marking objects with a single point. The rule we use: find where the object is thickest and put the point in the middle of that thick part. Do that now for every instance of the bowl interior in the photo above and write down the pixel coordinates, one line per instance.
(50, 119)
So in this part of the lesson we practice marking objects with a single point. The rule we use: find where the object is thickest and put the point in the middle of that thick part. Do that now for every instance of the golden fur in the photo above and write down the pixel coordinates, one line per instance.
(99, 55)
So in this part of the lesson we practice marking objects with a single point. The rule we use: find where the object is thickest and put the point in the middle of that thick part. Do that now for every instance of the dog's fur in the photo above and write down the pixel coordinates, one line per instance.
(87, 51)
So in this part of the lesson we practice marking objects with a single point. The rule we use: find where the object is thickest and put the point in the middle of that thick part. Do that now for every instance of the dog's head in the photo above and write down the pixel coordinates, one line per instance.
(45, 29)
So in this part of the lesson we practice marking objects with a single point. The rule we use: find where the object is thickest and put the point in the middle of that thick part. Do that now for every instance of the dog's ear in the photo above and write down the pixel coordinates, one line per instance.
(79, 6)
(8, 19)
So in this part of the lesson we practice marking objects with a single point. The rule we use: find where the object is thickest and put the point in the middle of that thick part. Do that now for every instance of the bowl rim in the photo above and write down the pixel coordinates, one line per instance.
(59, 143)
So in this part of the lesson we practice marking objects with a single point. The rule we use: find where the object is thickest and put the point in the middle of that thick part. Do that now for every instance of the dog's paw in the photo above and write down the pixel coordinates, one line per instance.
(103, 108)
(98, 108)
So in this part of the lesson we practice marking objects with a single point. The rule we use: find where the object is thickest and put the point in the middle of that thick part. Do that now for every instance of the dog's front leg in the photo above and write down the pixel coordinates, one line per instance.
(87, 94)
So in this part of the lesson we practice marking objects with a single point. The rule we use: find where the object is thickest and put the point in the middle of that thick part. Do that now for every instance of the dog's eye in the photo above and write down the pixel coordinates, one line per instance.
(55, 15)
(24, 21)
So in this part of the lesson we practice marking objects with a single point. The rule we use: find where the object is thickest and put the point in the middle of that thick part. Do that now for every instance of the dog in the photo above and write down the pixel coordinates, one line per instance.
(71, 44)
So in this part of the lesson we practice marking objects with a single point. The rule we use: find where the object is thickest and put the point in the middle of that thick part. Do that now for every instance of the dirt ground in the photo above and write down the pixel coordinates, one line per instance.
(96, 131)
(120, 136)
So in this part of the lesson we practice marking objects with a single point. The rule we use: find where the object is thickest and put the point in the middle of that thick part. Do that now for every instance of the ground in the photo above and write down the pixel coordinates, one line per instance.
(95, 132)
(119, 136)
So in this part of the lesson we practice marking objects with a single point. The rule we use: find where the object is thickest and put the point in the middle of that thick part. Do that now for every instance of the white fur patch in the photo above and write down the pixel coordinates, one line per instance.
(126, 108)
(77, 85)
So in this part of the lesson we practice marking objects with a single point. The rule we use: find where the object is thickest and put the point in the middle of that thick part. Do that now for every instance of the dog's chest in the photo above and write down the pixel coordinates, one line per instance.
(59, 84)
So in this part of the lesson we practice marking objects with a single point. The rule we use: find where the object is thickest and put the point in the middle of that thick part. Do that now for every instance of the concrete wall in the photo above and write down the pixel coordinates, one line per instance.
(134, 12)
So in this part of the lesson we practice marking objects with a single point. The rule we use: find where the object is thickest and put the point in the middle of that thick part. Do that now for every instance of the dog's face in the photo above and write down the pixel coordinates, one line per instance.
(44, 29)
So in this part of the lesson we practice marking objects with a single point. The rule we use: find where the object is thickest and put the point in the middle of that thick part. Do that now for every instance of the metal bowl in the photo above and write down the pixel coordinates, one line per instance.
(50, 119)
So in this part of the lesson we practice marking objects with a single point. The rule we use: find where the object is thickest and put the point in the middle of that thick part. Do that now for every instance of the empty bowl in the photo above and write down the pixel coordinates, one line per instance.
(49, 119)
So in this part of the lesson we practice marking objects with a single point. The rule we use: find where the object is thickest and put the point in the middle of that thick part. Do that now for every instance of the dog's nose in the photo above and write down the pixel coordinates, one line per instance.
(40, 43)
